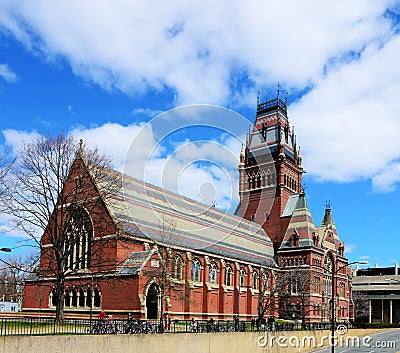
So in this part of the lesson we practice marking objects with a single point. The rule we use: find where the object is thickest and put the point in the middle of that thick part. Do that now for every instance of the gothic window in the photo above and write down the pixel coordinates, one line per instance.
(341, 289)
(255, 280)
(317, 283)
(229, 276)
(74, 298)
(67, 298)
(177, 265)
(97, 298)
(269, 178)
(328, 266)
(265, 279)
(77, 245)
(196, 270)
(242, 277)
(212, 273)
(89, 297)
(81, 298)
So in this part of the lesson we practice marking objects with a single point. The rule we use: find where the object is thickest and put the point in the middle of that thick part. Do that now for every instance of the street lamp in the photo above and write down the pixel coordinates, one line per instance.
(333, 299)
(5, 249)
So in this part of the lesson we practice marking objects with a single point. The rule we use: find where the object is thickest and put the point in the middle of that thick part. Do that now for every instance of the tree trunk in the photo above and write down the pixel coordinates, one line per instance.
(60, 299)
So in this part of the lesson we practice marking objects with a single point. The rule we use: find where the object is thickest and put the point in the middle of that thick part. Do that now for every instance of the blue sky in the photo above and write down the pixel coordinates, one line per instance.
(101, 69)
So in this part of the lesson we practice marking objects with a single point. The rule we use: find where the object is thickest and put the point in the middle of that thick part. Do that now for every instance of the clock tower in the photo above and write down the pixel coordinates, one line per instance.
(270, 169)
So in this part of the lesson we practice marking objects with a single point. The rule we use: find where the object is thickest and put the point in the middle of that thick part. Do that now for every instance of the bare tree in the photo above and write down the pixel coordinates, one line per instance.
(58, 190)
(270, 293)
(6, 162)
(14, 268)
(169, 274)
(361, 306)
(295, 284)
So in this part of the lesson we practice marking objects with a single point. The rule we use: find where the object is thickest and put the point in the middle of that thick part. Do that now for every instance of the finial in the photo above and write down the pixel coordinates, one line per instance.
(258, 97)
(80, 145)
(279, 89)
(328, 204)
(286, 94)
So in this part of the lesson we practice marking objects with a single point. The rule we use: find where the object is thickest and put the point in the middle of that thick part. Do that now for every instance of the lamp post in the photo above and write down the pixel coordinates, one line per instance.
(333, 299)
(5, 249)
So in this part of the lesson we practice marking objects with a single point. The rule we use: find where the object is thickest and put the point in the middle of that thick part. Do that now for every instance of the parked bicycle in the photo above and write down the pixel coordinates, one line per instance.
(102, 327)
(136, 326)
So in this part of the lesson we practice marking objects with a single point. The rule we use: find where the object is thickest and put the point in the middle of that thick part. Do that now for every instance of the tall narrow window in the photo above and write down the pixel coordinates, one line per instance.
(229, 276)
(177, 265)
(242, 277)
(328, 275)
(196, 270)
(97, 298)
(81, 298)
(212, 273)
(255, 280)
(77, 245)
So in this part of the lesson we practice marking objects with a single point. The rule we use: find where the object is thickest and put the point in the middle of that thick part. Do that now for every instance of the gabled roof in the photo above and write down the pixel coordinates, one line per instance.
(149, 212)
(328, 227)
(301, 223)
(135, 262)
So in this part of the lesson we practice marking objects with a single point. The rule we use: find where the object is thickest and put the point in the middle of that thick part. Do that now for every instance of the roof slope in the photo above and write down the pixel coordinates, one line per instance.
(301, 223)
(147, 211)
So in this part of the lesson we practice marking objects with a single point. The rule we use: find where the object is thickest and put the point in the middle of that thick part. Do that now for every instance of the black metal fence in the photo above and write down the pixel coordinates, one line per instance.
(49, 326)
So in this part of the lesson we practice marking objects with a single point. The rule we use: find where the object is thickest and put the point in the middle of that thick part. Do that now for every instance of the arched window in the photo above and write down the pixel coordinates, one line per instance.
(242, 277)
(89, 297)
(254, 284)
(97, 298)
(177, 265)
(317, 283)
(196, 270)
(74, 298)
(212, 273)
(265, 279)
(328, 266)
(81, 298)
(229, 276)
(77, 243)
(341, 289)
(67, 298)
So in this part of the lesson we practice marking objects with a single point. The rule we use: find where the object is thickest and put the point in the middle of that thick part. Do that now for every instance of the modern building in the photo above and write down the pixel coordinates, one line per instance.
(9, 307)
(152, 251)
(380, 286)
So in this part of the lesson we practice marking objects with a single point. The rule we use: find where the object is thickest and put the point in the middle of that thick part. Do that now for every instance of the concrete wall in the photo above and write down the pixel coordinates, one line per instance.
(176, 343)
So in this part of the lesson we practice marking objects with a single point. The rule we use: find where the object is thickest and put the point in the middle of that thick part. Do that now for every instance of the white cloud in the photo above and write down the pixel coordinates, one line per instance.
(7, 74)
(349, 123)
(349, 248)
(202, 170)
(196, 49)
(15, 138)
(223, 52)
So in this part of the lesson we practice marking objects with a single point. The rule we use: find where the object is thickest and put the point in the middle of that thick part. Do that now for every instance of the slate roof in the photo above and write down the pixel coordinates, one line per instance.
(149, 212)
(301, 221)
(135, 262)
(328, 224)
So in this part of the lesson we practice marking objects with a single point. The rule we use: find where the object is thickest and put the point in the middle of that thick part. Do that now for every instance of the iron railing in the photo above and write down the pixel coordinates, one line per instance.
(51, 326)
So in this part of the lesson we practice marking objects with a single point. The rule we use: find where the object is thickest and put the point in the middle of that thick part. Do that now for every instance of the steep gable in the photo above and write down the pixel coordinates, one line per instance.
(301, 229)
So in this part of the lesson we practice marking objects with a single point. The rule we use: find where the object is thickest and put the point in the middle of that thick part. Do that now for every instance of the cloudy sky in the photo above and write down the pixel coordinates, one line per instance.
(103, 69)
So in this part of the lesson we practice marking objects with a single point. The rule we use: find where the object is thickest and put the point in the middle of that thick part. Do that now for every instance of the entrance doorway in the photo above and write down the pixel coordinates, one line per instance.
(152, 302)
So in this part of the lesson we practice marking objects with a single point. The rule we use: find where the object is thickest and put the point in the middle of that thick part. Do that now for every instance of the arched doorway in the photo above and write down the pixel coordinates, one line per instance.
(152, 301)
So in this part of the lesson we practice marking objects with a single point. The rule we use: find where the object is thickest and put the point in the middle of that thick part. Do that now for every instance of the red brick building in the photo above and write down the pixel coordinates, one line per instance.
(156, 249)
